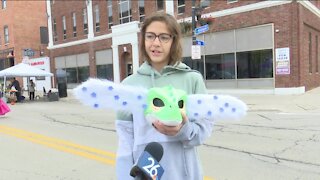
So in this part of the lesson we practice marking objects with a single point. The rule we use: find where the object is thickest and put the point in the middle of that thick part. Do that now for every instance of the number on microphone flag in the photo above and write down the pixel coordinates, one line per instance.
(150, 166)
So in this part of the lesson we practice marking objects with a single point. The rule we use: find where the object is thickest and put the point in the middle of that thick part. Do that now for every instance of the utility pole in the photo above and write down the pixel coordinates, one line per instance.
(195, 49)
(193, 22)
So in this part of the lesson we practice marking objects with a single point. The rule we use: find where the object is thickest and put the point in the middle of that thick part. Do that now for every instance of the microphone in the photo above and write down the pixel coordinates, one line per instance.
(148, 167)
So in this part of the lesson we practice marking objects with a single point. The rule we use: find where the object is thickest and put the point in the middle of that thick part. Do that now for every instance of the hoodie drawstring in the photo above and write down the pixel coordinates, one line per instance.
(152, 79)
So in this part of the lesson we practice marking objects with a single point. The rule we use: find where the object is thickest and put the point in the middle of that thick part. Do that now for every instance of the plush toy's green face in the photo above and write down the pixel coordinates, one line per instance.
(165, 104)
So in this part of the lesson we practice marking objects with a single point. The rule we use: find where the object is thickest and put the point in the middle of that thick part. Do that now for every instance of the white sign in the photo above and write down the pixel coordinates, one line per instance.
(283, 61)
(195, 52)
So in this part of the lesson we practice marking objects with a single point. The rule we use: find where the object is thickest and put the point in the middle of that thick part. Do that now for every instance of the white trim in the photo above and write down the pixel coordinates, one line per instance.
(82, 41)
(90, 19)
(233, 1)
(135, 57)
(240, 91)
(116, 65)
(170, 7)
(277, 91)
(123, 34)
(50, 34)
(310, 7)
(125, 31)
(241, 9)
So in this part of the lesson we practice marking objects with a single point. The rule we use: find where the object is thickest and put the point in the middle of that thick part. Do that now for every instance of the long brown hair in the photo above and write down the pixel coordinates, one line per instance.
(175, 54)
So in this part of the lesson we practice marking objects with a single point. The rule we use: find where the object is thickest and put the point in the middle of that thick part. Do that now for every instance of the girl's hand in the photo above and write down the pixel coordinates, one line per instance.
(170, 130)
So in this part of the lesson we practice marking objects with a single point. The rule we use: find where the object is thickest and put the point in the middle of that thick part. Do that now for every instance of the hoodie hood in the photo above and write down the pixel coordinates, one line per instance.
(147, 70)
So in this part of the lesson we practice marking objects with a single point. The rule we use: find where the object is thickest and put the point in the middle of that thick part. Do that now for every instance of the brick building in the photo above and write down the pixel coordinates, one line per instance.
(21, 23)
(250, 44)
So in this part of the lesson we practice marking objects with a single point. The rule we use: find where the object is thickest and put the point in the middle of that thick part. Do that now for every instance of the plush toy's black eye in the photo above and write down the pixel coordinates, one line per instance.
(180, 104)
(158, 102)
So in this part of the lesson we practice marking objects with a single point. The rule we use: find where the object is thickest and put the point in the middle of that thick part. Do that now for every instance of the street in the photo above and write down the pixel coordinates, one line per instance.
(278, 139)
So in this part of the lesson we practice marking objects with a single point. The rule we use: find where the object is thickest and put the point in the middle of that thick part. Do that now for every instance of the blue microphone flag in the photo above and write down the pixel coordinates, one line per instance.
(150, 166)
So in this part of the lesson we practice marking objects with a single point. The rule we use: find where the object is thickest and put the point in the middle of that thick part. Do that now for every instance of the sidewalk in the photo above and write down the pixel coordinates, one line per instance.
(307, 102)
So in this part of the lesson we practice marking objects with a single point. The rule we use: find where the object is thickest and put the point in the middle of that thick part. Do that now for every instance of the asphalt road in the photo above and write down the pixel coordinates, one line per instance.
(278, 139)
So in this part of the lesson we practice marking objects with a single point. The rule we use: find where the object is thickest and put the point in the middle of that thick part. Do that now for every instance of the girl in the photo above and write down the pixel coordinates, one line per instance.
(162, 51)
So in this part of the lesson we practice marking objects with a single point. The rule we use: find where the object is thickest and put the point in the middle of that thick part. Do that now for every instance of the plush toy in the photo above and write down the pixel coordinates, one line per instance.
(164, 104)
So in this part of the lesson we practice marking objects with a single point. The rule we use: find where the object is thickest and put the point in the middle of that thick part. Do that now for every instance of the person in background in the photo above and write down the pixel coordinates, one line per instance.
(4, 108)
(31, 89)
(162, 51)
(15, 83)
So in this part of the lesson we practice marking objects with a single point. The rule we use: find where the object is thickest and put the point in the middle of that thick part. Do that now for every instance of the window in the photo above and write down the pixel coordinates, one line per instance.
(83, 73)
(85, 21)
(97, 16)
(181, 6)
(255, 64)
(55, 35)
(198, 64)
(220, 66)
(71, 75)
(44, 39)
(4, 4)
(64, 27)
(77, 74)
(110, 22)
(74, 24)
(105, 71)
(317, 55)
(310, 53)
(6, 34)
(160, 5)
(125, 11)
(205, 3)
(141, 10)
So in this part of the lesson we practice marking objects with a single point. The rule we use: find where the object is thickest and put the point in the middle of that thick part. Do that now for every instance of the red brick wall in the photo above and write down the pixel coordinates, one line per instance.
(292, 33)
(310, 23)
(90, 48)
(292, 20)
(24, 26)
(27, 25)
(6, 19)
(65, 8)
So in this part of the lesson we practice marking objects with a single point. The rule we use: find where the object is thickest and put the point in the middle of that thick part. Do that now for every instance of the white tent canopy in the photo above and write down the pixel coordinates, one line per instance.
(23, 70)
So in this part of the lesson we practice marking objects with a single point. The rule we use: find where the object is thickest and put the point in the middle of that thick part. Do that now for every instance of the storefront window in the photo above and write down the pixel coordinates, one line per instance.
(105, 71)
(194, 64)
(77, 74)
(255, 64)
(83, 74)
(220, 66)
(71, 75)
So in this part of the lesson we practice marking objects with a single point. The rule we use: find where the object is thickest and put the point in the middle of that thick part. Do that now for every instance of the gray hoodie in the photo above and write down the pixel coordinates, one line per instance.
(180, 160)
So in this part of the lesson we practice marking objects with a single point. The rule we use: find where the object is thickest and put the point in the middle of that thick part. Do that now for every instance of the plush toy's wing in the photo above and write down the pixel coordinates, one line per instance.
(215, 107)
(107, 94)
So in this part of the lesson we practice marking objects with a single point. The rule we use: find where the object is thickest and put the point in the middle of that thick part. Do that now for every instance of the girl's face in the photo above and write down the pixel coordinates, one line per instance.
(158, 41)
